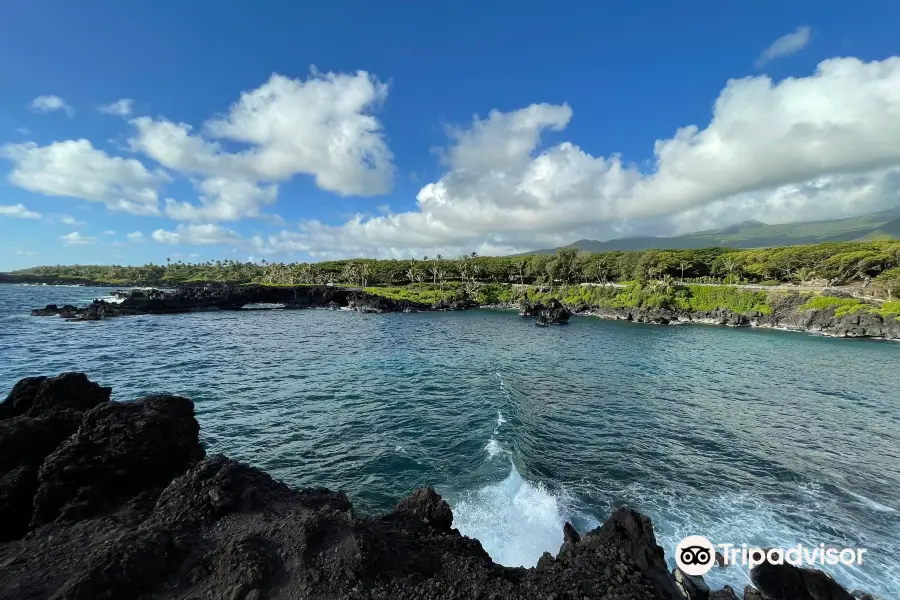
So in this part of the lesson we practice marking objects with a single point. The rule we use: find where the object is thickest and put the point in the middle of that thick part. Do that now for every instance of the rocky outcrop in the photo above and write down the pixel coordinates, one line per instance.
(786, 314)
(123, 505)
(551, 313)
(226, 297)
(37, 416)
(787, 582)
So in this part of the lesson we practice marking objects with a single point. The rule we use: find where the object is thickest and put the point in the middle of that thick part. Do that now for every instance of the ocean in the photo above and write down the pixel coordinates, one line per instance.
(752, 436)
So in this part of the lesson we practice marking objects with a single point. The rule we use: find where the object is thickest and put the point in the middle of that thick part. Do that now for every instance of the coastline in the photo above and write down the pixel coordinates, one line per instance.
(120, 500)
(788, 311)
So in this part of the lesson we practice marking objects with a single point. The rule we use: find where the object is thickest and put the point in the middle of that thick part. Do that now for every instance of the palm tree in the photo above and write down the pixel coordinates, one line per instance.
(684, 264)
(520, 265)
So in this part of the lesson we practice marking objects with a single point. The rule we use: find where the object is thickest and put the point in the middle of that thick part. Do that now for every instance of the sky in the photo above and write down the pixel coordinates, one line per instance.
(132, 132)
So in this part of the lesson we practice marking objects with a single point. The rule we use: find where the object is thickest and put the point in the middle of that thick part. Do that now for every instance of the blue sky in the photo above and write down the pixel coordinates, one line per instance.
(132, 132)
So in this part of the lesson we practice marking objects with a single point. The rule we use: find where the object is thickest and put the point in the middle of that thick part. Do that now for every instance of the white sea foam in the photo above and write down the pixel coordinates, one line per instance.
(876, 506)
(516, 521)
(748, 518)
(493, 448)
(500, 419)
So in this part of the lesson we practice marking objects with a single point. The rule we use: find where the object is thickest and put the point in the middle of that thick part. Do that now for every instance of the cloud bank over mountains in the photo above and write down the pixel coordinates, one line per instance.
(819, 146)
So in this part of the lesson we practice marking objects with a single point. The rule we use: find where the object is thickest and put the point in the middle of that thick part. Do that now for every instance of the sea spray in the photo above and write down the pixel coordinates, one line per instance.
(516, 521)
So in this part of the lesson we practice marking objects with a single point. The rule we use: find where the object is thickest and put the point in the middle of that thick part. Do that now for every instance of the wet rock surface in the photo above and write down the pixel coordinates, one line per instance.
(785, 314)
(226, 297)
(553, 312)
(117, 500)
(787, 582)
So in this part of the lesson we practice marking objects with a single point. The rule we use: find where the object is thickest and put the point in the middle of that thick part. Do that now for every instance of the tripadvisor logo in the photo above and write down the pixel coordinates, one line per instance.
(695, 555)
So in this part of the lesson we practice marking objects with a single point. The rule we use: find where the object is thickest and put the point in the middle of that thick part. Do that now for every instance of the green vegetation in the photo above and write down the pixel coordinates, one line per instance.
(662, 277)
(659, 295)
(849, 306)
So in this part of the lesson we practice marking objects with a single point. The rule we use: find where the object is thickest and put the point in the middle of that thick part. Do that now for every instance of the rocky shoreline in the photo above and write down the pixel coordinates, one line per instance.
(787, 313)
(119, 500)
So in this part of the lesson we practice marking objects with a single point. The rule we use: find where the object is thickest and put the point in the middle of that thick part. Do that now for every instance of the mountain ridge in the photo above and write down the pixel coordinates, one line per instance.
(753, 233)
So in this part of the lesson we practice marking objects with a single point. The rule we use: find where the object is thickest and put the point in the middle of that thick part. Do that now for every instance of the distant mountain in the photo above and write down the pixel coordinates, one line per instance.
(756, 234)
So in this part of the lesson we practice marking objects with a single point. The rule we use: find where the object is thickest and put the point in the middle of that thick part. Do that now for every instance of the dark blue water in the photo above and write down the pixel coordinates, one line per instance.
(745, 436)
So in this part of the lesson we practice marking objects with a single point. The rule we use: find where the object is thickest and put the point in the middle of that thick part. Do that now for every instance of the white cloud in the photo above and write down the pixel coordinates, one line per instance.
(76, 239)
(18, 211)
(68, 220)
(224, 199)
(23, 130)
(46, 104)
(197, 235)
(823, 198)
(76, 169)
(119, 108)
(109, 232)
(786, 45)
(769, 146)
(319, 127)
(135, 236)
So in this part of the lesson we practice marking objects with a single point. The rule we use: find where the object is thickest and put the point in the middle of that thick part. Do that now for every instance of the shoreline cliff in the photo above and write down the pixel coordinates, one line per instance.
(118, 500)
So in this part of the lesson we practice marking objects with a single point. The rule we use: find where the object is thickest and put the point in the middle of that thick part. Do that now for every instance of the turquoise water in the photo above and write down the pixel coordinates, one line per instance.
(745, 436)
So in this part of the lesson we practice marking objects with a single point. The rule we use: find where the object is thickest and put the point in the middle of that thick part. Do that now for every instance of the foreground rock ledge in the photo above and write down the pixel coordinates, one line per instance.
(113, 500)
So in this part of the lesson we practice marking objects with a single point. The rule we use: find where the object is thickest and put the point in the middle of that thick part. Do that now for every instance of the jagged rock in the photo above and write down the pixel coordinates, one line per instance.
(21, 397)
(787, 582)
(427, 505)
(552, 313)
(726, 593)
(633, 532)
(37, 416)
(751, 593)
(570, 536)
(119, 450)
(860, 595)
(17, 488)
(33, 396)
(213, 488)
(692, 587)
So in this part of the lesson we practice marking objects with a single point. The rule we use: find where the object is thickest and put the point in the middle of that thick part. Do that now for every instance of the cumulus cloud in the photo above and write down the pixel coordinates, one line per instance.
(18, 211)
(788, 147)
(786, 45)
(119, 108)
(135, 236)
(224, 199)
(76, 239)
(46, 104)
(196, 235)
(320, 126)
(74, 168)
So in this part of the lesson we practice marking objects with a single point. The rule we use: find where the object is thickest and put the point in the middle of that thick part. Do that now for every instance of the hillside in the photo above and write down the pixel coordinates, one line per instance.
(755, 234)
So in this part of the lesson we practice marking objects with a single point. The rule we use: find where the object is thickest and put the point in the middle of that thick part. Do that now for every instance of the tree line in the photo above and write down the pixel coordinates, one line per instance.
(876, 264)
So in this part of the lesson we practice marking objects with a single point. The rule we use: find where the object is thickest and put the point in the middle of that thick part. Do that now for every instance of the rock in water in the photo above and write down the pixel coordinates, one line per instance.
(787, 582)
(554, 312)
(751, 593)
(726, 593)
(692, 587)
